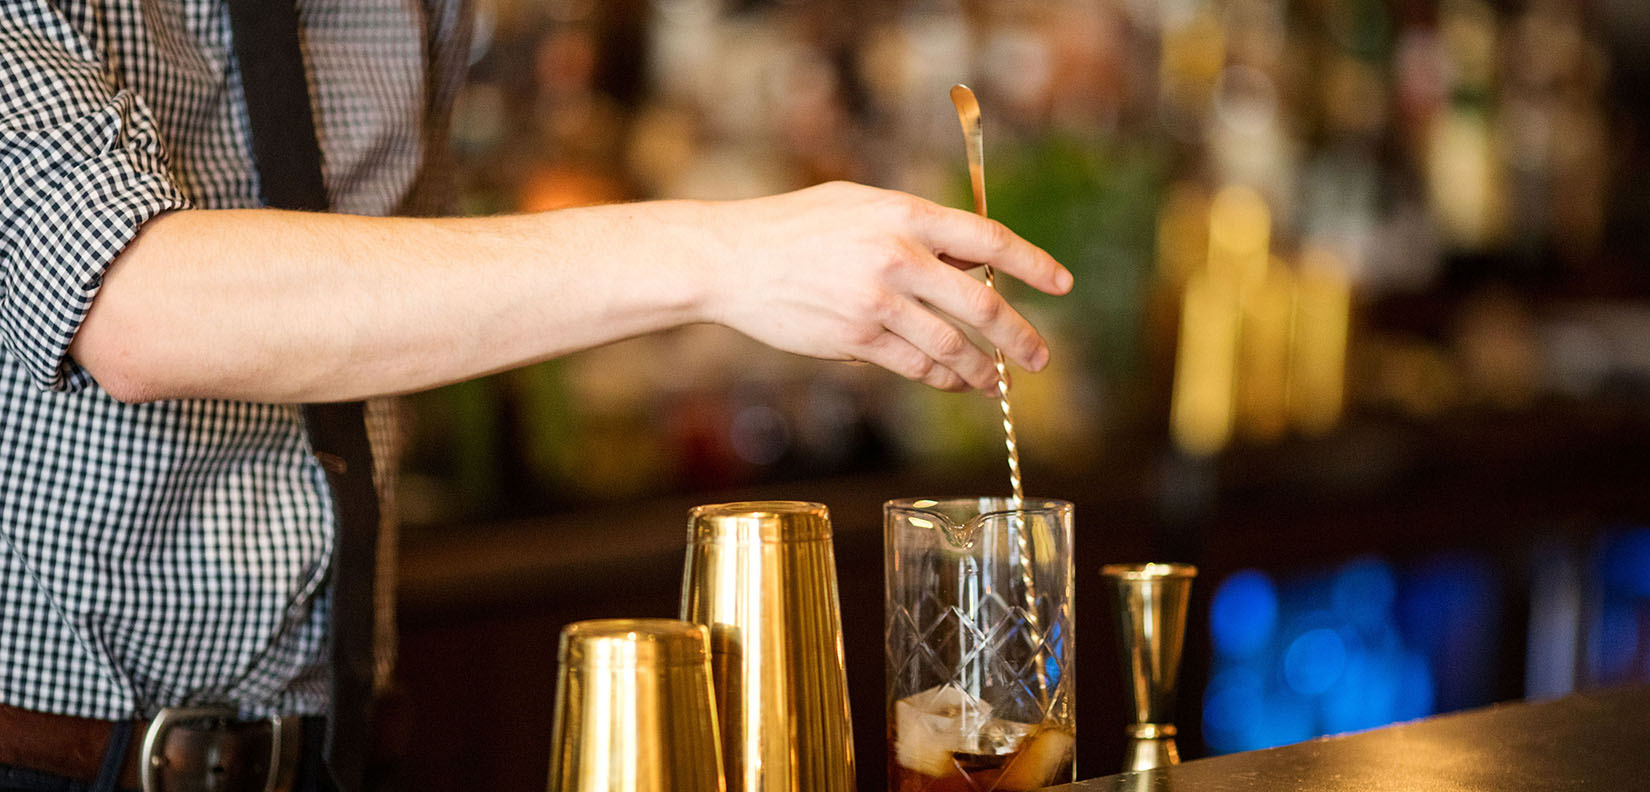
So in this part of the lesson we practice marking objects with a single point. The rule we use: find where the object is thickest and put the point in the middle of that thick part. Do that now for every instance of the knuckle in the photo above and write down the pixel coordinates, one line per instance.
(950, 344)
(863, 334)
(984, 306)
(998, 237)
(838, 186)
(985, 370)
(879, 307)
(920, 367)
(892, 259)
(908, 209)
(984, 381)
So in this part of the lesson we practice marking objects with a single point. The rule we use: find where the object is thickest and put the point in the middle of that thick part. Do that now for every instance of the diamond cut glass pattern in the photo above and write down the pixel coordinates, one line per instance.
(979, 645)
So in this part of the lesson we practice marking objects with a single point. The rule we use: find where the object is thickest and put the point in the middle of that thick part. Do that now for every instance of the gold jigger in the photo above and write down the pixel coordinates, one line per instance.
(762, 577)
(1151, 627)
(634, 711)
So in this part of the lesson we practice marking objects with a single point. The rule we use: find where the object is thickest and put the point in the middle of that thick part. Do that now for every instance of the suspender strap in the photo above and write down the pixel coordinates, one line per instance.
(288, 159)
(277, 103)
(338, 433)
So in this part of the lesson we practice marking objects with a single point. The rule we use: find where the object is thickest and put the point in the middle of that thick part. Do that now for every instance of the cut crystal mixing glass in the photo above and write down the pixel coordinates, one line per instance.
(979, 644)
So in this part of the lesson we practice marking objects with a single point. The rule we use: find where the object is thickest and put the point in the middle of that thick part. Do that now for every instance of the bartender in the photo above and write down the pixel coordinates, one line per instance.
(166, 531)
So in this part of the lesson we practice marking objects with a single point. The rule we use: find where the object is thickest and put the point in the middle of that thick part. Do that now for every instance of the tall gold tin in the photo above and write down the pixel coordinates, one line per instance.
(762, 577)
(634, 709)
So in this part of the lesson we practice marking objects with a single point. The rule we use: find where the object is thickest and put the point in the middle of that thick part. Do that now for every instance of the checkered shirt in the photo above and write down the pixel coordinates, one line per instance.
(174, 553)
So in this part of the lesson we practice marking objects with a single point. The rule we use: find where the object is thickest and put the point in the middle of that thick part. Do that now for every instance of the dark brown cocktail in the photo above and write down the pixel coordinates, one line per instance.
(943, 740)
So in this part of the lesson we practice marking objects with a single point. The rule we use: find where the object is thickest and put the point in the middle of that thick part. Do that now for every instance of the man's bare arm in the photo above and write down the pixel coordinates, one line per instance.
(263, 305)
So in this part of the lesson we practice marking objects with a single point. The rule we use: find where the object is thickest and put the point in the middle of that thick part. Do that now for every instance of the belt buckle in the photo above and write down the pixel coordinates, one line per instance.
(283, 744)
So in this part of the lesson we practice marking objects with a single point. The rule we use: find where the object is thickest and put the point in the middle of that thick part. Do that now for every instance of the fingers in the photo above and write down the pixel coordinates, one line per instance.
(973, 303)
(942, 342)
(966, 237)
(901, 357)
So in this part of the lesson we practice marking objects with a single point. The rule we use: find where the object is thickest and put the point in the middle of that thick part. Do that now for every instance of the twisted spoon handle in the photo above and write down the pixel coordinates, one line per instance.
(968, 112)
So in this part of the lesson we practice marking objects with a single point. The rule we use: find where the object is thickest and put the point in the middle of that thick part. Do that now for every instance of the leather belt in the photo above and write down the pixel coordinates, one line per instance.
(180, 750)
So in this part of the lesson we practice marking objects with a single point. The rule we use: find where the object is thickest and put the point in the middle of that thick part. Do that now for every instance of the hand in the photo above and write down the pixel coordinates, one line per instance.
(846, 272)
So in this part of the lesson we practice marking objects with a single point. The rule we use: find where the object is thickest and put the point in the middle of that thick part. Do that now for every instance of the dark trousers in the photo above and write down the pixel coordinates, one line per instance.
(311, 777)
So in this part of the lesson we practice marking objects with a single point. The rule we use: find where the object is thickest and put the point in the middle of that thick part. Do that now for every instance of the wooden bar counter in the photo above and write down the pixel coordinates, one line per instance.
(1596, 740)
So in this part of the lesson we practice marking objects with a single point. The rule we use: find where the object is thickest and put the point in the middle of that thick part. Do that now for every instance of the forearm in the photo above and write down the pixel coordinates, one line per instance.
(271, 306)
(261, 305)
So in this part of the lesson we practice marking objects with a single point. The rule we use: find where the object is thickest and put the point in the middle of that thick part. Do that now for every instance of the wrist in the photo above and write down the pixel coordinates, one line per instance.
(700, 242)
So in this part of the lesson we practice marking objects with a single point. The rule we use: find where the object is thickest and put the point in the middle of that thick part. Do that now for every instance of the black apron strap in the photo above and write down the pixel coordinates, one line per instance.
(288, 159)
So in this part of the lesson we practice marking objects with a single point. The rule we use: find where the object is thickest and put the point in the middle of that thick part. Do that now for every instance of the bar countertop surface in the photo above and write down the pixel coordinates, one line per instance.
(1593, 740)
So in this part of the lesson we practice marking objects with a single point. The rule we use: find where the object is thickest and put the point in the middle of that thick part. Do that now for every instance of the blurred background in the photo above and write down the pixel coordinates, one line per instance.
(1361, 327)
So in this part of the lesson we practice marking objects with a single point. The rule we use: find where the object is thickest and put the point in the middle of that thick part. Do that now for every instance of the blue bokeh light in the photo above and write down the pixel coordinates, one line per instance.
(1314, 661)
(1448, 609)
(1344, 649)
(1415, 698)
(1242, 713)
(1364, 591)
(1243, 614)
(1057, 650)
(1615, 642)
(1234, 710)
(1618, 634)
(1363, 697)
(1625, 562)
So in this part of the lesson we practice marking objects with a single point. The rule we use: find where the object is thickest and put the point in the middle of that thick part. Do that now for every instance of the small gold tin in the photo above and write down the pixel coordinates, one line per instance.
(634, 711)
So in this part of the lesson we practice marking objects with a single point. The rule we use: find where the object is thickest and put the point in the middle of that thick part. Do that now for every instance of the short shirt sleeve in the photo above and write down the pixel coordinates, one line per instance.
(82, 168)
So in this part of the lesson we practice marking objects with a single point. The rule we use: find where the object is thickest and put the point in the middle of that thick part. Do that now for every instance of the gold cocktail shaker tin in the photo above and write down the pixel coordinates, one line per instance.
(634, 709)
(762, 577)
